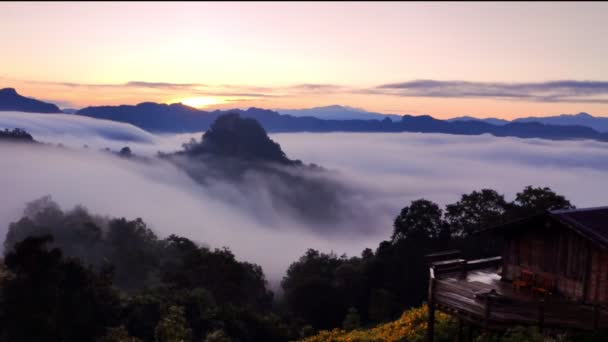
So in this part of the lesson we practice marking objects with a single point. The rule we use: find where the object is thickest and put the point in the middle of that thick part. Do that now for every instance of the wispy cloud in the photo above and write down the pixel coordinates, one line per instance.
(163, 85)
(550, 91)
(559, 91)
(222, 90)
(130, 84)
(318, 87)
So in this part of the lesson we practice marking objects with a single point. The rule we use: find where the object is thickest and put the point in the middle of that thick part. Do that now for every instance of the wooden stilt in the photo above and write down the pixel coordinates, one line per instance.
(486, 316)
(541, 314)
(460, 326)
(596, 316)
(431, 304)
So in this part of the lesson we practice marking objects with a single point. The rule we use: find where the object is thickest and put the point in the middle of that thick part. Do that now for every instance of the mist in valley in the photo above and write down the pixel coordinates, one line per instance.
(371, 175)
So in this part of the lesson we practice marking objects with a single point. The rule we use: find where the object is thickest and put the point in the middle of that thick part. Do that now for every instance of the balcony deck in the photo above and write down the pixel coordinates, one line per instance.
(460, 288)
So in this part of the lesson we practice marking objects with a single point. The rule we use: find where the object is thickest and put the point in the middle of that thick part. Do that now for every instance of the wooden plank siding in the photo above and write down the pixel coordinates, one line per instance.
(597, 291)
(556, 251)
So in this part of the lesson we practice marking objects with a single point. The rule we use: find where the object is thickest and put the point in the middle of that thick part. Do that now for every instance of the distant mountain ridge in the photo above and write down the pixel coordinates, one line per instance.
(582, 119)
(337, 112)
(493, 121)
(179, 118)
(599, 124)
(10, 100)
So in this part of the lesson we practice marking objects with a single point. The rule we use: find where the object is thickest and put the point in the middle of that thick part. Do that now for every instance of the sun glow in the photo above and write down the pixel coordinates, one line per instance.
(198, 102)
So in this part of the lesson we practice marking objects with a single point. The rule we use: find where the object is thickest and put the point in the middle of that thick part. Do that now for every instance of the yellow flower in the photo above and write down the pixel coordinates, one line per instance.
(411, 326)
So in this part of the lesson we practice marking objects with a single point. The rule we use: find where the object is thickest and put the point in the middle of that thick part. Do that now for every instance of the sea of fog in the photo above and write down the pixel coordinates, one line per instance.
(387, 170)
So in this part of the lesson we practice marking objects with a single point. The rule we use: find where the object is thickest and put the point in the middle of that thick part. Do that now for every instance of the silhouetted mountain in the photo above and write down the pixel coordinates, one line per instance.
(581, 119)
(493, 121)
(231, 136)
(10, 100)
(154, 117)
(336, 112)
(181, 118)
(238, 151)
(599, 124)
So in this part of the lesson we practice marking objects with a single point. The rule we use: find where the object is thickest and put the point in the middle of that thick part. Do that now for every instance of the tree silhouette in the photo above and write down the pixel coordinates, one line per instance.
(476, 210)
(52, 299)
(536, 200)
(421, 219)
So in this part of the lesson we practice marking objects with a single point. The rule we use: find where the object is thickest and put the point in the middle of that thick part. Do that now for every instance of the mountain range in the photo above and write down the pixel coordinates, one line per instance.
(337, 112)
(493, 121)
(599, 124)
(179, 118)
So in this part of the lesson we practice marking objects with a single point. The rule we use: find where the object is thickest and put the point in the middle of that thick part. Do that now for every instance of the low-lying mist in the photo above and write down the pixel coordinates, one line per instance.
(382, 172)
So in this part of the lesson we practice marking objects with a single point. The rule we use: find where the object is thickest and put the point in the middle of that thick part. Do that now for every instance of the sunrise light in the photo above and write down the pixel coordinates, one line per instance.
(200, 102)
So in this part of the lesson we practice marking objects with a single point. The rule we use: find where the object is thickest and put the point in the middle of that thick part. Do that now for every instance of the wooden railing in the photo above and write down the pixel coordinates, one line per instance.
(442, 256)
(464, 266)
(504, 311)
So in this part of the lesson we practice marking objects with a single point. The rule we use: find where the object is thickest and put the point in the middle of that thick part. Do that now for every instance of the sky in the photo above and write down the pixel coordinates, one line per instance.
(502, 60)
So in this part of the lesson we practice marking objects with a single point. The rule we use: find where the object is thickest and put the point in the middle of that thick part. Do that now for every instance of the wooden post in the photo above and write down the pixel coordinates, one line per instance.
(431, 304)
(460, 329)
(463, 269)
(541, 314)
(486, 316)
(596, 316)
(470, 334)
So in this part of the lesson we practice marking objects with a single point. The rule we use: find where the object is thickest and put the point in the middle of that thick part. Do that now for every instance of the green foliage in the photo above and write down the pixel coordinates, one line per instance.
(118, 334)
(380, 305)
(523, 334)
(173, 327)
(128, 246)
(598, 336)
(306, 331)
(352, 320)
(535, 200)
(125, 152)
(154, 274)
(217, 271)
(313, 284)
(479, 209)
(16, 135)
(53, 299)
(421, 219)
(217, 336)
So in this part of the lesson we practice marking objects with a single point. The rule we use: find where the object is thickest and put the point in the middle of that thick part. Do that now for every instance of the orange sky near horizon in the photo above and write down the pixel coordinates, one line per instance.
(502, 60)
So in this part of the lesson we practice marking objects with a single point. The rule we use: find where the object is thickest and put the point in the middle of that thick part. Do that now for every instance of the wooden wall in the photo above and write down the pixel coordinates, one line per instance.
(598, 280)
(557, 251)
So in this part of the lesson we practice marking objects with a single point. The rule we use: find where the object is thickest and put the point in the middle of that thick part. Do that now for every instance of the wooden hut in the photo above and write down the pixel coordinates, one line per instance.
(567, 247)
(553, 272)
